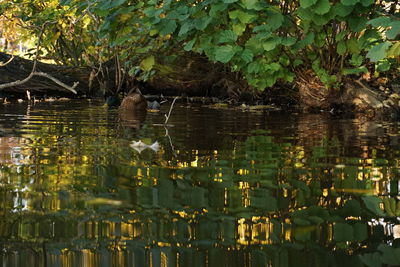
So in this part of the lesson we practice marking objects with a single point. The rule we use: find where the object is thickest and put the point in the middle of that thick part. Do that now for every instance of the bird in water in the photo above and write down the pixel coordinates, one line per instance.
(153, 105)
(112, 101)
(134, 101)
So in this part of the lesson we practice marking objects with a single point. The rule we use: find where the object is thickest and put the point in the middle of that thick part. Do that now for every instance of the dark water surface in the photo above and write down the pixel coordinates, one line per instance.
(224, 188)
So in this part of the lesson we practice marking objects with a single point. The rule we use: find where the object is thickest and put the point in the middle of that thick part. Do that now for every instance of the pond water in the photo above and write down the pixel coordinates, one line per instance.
(224, 187)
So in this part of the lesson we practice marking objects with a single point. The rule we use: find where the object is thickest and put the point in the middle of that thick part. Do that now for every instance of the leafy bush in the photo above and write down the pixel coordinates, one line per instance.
(265, 41)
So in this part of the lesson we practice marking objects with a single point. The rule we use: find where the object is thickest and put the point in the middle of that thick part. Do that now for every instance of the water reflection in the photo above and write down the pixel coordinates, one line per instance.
(226, 188)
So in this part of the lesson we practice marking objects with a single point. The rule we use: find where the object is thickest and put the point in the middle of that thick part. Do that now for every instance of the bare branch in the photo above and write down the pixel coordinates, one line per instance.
(60, 83)
(35, 73)
(170, 110)
(16, 83)
(8, 61)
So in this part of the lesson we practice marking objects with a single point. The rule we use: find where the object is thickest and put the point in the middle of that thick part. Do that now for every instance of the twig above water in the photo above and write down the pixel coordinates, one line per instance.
(170, 110)
(2, 64)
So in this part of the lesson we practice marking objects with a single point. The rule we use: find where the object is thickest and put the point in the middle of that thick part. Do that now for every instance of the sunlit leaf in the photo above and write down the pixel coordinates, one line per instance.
(394, 51)
(147, 63)
(378, 52)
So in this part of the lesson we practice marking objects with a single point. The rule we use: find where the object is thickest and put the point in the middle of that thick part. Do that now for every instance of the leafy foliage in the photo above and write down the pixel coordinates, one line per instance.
(264, 41)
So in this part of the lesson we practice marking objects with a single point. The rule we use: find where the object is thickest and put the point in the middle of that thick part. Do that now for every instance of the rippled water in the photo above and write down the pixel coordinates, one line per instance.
(225, 187)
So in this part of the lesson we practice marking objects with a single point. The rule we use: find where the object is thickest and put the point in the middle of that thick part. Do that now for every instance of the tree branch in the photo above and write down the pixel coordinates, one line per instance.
(170, 110)
(2, 64)
(36, 73)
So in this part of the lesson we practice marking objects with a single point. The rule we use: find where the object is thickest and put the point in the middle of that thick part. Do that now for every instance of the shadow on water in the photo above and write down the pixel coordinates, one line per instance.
(226, 188)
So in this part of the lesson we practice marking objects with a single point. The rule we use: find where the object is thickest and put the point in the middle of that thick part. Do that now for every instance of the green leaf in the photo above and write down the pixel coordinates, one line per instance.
(322, 7)
(168, 26)
(356, 60)
(342, 10)
(250, 4)
(189, 45)
(355, 71)
(373, 204)
(247, 55)
(383, 65)
(186, 26)
(378, 52)
(271, 43)
(297, 62)
(340, 36)
(151, 11)
(230, 1)
(380, 21)
(394, 51)
(255, 44)
(288, 41)
(367, 2)
(394, 31)
(245, 17)
(224, 53)
(216, 8)
(304, 14)
(321, 19)
(147, 63)
(203, 22)
(349, 2)
(227, 36)
(352, 46)
(307, 3)
(116, 3)
(341, 48)
(357, 24)
(275, 20)
(273, 66)
(238, 29)
(254, 67)
(306, 41)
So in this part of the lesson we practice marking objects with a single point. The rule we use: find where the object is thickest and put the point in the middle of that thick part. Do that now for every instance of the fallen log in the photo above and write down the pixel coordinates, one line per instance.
(47, 79)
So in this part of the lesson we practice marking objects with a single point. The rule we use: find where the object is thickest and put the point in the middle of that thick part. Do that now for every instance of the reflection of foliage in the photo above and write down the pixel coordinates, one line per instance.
(82, 188)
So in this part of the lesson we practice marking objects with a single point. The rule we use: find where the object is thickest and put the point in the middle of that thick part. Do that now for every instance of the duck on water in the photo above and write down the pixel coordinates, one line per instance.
(133, 101)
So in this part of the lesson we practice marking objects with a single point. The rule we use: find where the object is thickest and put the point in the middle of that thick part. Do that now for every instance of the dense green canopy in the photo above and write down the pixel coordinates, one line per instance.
(264, 41)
